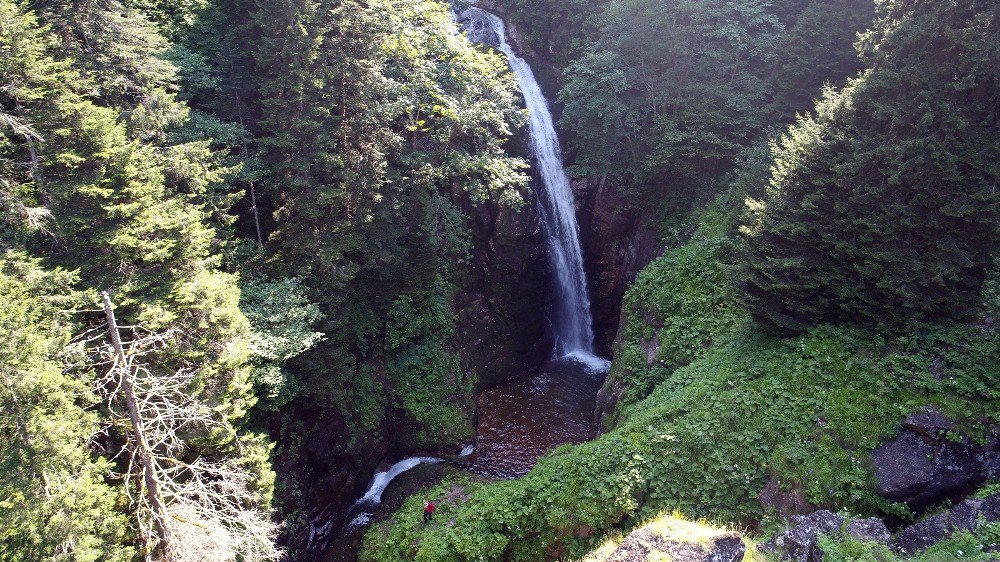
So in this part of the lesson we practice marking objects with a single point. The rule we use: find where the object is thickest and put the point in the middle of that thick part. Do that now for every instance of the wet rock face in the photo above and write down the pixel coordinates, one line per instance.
(929, 462)
(617, 244)
(800, 542)
(473, 22)
(966, 516)
(501, 323)
(334, 472)
(643, 545)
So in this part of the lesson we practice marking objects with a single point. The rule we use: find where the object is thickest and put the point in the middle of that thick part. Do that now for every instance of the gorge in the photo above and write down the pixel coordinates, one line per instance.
(273, 273)
(552, 404)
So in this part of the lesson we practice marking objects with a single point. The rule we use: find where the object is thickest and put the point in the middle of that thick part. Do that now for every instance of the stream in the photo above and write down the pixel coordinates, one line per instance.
(518, 422)
(521, 419)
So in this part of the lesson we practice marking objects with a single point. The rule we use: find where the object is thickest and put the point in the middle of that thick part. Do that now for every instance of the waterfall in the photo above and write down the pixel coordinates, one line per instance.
(571, 316)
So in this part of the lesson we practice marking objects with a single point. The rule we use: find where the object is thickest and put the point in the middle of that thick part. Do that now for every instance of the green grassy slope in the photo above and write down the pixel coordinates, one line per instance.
(730, 409)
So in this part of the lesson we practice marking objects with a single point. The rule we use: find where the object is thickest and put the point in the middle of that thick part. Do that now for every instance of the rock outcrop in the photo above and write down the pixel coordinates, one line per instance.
(930, 461)
(617, 244)
(644, 544)
(800, 542)
(477, 29)
(676, 540)
(966, 516)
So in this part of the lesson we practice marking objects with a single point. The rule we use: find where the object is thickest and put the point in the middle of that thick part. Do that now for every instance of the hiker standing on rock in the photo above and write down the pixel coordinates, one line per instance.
(428, 511)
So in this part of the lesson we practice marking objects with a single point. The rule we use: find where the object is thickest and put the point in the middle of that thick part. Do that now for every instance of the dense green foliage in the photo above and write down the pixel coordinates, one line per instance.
(883, 206)
(668, 94)
(90, 183)
(144, 145)
(380, 120)
(677, 308)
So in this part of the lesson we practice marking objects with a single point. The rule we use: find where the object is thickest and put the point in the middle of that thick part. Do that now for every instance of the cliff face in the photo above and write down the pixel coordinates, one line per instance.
(617, 244)
(501, 314)
(499, 332)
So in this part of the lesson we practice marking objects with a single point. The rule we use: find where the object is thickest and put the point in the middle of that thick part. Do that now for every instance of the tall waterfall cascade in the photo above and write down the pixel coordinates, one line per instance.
(571, 319)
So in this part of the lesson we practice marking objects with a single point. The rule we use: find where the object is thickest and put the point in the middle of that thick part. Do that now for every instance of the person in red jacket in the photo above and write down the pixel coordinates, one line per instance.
(428, 510)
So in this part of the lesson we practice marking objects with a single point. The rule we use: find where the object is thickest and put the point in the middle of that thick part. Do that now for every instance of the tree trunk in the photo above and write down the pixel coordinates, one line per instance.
(160, 523)
(253, 193)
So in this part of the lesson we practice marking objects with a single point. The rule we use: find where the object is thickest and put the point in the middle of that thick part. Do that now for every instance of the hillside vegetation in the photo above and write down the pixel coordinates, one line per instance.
(784, 342)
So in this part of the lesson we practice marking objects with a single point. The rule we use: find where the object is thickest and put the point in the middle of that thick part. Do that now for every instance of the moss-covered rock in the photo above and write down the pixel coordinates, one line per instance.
(670, 537)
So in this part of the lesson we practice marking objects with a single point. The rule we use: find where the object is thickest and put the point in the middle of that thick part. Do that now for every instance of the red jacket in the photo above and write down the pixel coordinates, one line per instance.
(429, 507)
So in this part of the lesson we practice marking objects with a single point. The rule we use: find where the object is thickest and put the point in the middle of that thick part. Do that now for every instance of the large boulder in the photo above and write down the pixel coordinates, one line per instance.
(929, 461)
(966, 516)
(675, 539)
(800, 542)
(645, 544)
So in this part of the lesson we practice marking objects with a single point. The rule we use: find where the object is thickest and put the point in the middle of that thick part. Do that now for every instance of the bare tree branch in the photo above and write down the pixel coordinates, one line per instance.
(193, 511)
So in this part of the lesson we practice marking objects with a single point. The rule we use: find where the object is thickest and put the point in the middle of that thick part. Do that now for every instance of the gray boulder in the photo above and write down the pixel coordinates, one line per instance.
(928, 462)
(477, 28)
(868, 530)
(800, 542)
(963, 517)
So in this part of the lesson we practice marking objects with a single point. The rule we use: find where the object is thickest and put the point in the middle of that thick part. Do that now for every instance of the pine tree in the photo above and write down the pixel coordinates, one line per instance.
(56, 504)
(883, 207)
(83, 185)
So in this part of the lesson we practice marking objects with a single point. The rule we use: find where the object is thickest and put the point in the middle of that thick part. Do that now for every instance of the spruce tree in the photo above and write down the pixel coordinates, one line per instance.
(55, 502)
(883, 207)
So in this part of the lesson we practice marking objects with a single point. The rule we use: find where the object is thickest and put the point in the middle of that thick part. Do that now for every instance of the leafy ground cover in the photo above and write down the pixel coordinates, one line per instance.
(723, 419)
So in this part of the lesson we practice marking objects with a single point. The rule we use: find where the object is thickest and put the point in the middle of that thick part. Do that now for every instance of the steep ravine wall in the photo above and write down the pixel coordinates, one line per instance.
(617, 245)
(326, 464)
(617, 242)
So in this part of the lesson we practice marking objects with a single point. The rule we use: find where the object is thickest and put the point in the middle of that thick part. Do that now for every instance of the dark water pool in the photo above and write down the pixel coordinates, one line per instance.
(522, 419)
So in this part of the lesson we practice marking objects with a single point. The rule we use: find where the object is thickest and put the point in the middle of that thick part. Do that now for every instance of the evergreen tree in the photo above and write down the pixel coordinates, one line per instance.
(818, 49)
(87, 185)
(883, 206)
(55, 503)
(669, 94)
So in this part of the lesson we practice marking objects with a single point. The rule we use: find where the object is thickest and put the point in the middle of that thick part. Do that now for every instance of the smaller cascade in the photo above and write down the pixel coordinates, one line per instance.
(382, 479)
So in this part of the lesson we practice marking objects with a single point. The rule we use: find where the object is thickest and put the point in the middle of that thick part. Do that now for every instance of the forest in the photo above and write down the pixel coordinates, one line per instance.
(258, 258)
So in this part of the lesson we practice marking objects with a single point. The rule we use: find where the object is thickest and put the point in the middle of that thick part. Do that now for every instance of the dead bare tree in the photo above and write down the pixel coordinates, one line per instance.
(187, 510)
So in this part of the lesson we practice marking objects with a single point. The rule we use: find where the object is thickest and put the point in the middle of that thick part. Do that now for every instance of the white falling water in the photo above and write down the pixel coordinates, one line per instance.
(572, 321)
(382, 479)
